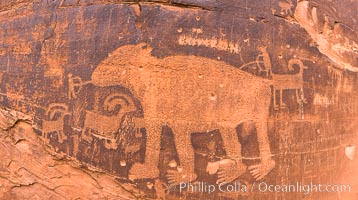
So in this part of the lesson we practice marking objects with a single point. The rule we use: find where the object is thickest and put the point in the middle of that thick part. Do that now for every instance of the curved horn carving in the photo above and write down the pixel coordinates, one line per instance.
(295, 61)
(125, 102)
(54, 108)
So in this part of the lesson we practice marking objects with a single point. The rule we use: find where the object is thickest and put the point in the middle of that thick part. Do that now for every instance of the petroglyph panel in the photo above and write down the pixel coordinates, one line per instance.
(158, 93)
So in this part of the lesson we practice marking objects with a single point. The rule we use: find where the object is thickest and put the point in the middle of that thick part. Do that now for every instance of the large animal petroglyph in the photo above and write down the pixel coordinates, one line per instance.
(189, 94)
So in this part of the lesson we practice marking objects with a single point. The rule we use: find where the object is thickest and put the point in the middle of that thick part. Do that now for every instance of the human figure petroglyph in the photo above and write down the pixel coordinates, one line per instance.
(74, 86)
(262, 64)
(265, 57)
(189, 94)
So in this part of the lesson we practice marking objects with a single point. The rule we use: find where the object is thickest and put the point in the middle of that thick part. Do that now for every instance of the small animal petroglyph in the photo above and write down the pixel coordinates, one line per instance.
(104, 111)
(107, 127)
(281, 82)
(53, 125)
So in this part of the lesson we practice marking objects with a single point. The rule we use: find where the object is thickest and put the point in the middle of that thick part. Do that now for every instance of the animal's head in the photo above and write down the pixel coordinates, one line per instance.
(123, 63)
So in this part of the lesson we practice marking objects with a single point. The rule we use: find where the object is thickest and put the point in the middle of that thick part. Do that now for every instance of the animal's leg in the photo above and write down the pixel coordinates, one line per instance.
(46, 131)
(276, 107)
(300, 98)
(60, 132)
(149, 169)
(46, 136)
(185, 172)
(86, 134)
(231, 143)
(283, 105)
(60, 136)
(259, 171)
(231, 168)
(262, 135)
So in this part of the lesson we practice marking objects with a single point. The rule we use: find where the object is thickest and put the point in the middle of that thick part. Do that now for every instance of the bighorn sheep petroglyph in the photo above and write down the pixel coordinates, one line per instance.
(53, 124)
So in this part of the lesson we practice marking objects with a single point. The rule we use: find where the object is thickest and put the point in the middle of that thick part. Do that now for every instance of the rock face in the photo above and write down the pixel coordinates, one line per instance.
(192, 99)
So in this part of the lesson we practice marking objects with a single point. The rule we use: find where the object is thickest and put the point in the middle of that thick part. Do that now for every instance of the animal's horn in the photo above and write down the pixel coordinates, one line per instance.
(126, 103)
(54, 108)
(295, 61)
